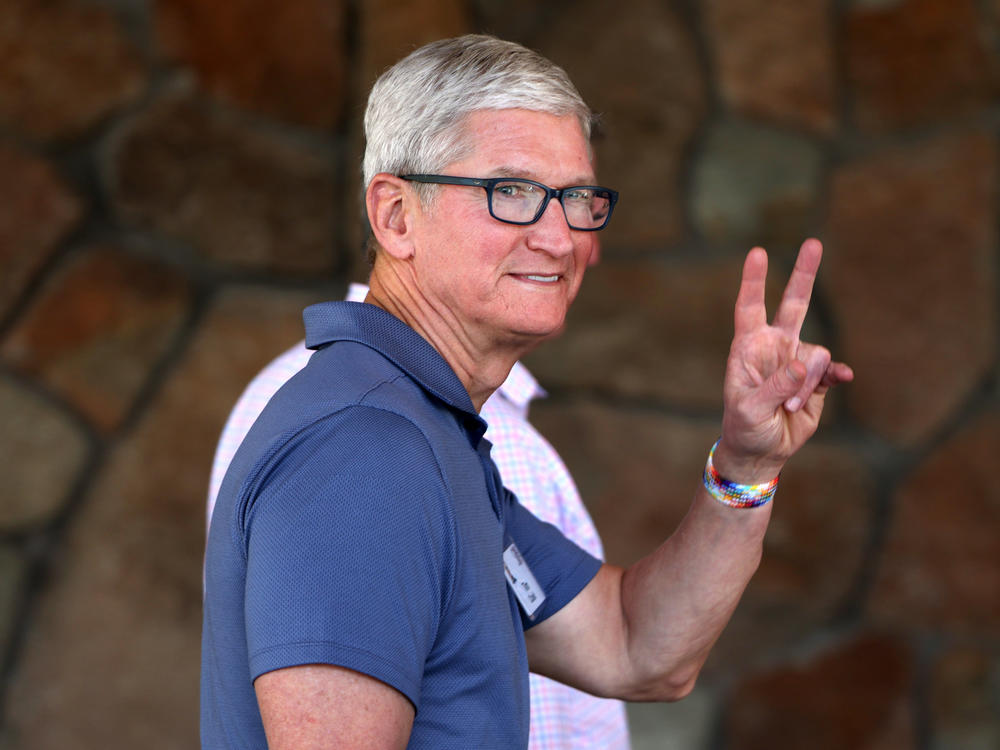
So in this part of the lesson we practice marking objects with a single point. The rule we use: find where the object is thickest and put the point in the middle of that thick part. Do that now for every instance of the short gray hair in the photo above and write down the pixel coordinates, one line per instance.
(416, 109)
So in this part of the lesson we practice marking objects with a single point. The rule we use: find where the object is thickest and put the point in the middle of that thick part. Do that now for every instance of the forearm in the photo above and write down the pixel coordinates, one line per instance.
(676, 601)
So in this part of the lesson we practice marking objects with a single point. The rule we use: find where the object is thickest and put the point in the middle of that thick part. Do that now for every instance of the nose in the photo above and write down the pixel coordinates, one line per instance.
(551, 233)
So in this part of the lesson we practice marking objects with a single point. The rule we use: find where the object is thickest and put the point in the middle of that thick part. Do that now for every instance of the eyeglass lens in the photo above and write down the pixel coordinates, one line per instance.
(521, 202)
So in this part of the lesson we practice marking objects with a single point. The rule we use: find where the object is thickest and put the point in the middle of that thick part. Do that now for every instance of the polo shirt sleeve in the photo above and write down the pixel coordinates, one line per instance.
(350, 549)
(561, 567)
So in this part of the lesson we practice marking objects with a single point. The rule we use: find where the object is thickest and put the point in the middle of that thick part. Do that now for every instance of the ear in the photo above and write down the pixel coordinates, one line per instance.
(390, 204)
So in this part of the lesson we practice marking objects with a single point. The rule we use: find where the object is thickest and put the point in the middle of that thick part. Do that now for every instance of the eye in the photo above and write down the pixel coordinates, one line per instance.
(579, 195)
(515, 190)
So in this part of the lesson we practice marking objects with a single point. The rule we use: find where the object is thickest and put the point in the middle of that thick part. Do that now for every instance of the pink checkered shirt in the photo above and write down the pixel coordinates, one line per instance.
(561, 718)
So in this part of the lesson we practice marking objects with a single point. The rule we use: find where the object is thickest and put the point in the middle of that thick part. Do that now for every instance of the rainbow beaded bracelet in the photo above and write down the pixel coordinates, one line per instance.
(736, 495)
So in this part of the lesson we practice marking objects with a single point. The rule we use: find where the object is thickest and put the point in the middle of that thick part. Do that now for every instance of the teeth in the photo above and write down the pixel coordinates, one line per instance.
(543, 278)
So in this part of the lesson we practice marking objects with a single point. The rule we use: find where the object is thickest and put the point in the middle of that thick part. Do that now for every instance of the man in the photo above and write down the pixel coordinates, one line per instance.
(561, 718)
(369, 581)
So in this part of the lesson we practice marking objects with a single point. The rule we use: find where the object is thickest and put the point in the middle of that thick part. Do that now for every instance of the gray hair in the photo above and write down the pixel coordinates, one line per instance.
(417, 108)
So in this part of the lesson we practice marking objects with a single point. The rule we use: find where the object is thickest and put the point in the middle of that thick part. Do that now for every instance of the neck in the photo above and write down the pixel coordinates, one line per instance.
(481, 365)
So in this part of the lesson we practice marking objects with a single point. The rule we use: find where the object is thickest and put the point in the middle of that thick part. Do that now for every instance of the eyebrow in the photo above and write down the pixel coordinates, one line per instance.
(529, 175)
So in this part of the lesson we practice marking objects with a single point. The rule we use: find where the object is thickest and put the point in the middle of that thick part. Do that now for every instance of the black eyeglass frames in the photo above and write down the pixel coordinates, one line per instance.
(518, 201)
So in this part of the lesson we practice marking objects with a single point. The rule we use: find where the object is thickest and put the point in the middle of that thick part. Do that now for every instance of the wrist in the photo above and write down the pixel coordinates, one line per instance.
(741, 468)
(737, 494)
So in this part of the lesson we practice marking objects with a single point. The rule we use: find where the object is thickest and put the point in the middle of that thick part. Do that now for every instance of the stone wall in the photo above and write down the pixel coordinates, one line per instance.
(178, 178)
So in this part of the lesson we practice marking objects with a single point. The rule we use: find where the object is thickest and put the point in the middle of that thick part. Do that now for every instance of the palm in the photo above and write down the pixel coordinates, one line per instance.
(775, 383)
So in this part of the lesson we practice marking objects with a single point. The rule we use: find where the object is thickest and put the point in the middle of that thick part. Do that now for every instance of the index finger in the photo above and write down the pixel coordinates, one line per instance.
(794, 305)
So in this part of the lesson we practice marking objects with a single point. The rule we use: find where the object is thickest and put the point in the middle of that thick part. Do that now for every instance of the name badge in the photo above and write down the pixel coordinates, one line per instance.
(521, 580)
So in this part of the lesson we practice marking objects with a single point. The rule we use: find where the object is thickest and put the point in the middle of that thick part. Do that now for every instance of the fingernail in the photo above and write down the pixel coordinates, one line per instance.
(793, 403)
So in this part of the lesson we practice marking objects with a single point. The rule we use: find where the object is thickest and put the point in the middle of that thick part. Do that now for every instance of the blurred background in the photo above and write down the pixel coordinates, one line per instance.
(178, 178)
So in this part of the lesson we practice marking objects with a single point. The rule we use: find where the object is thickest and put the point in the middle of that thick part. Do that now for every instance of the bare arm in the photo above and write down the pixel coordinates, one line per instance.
(321, 706)
(645, 632)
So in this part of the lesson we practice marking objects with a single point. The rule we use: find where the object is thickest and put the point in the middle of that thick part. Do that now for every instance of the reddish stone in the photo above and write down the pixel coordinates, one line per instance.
(917, 61)
(64, 66)
(44, 453)
(98, 328)
(636, 471)
(39, 211)
(855, 696)
(939, 566)
(640, 71)
(391, 29)
(777, 62)
(964, 700)
(127, 588)
(660, 330)
(241, 196)
(910, 272)
(282, 59)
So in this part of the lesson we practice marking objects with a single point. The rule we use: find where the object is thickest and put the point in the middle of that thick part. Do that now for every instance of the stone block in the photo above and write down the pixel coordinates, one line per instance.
(243, 197)
(939, 566)
(123, 604)
(911, 280)
(39, 211)
(775, 62)
(755, 186)
(815, 552)
(97, 328)
(65, 65)
(43, 451)
(13, 583)
(285, 60)
(639, 70)
(392, 29)
(965, 698)
(916, 62)
(648, 329)
(854, 695)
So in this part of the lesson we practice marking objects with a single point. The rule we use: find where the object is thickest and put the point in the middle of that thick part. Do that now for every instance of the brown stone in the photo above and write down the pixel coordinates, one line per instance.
(242, 197)
(917, 61)
(98, 328)
(775, 62)
(636, 471)
(64, 66)
(391, 29)
(853, 696)
(964, 701)
(939, 566)
(43, 454)
(814, 553)
(640, 328)
(910, 272)
(640, 71)
(13, 580)
(124, 604)
(288, 60)
(39, 211)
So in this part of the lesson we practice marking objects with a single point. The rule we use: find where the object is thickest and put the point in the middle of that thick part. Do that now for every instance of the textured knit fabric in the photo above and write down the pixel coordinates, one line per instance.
(361, 523)
(561, 718)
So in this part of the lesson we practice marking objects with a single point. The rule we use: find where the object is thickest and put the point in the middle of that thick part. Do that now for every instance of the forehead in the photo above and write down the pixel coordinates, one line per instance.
(524, 143)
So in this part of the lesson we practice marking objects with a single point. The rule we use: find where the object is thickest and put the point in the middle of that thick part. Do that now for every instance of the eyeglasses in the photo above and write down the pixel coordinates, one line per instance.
(515, 201)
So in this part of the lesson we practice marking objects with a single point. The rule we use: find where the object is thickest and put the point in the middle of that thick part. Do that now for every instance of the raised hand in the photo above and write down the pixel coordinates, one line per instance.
(775, 383)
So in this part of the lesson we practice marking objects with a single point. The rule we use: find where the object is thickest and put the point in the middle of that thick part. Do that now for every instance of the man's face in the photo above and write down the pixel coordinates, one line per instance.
(497, 282)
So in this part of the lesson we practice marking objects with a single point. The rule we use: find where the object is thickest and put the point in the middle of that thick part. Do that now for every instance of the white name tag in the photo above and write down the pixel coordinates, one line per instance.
(522, 581)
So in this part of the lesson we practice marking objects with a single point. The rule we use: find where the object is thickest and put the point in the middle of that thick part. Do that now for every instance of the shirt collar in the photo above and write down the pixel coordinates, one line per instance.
(373, 327)
(520, 388)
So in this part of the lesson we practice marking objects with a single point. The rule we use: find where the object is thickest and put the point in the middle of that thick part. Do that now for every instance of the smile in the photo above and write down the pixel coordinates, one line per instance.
(545, 279)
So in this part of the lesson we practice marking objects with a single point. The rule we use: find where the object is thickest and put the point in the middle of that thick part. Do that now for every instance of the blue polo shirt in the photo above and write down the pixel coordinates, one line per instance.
(362, 523)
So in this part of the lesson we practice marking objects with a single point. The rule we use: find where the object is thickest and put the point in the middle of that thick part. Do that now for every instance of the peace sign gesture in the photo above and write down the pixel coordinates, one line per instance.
(775, 383)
